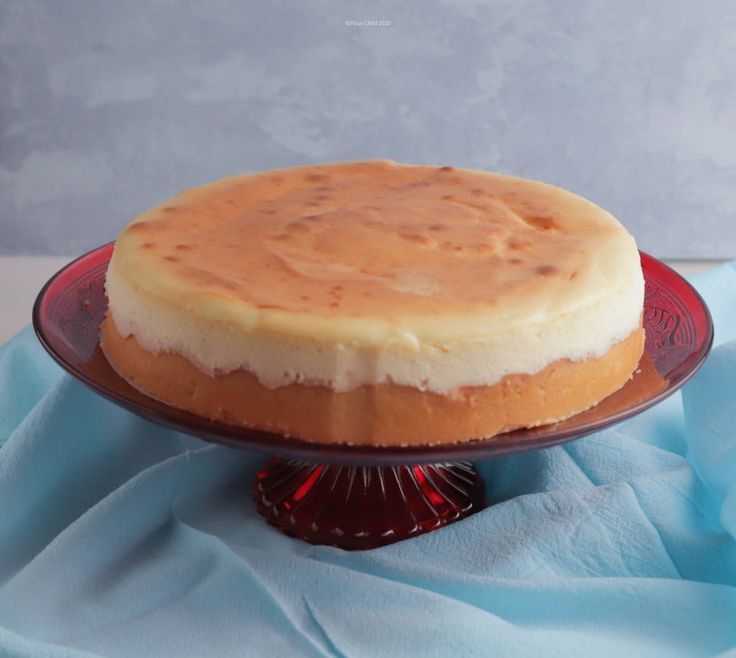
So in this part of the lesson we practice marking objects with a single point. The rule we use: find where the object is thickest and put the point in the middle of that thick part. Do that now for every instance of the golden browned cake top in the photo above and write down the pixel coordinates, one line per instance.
(367, 272)
(379, 239)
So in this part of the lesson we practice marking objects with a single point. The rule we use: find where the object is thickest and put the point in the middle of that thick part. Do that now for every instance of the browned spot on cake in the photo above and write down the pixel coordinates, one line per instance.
(417, 237)
(542, 222)
(148, 245)
(518, 245)
(446, 168)
(169, 209)
(183, 247)
(546, 270)
(447, 197)
(572, 275)
(436, 227)
(316, 178)
(171, 259)
(515, 261)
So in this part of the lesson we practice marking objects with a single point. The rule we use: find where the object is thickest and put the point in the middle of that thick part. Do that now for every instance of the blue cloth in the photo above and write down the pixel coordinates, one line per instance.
(118, 537)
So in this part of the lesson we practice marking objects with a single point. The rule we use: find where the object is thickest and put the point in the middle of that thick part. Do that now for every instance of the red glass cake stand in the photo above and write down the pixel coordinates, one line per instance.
(358, 497)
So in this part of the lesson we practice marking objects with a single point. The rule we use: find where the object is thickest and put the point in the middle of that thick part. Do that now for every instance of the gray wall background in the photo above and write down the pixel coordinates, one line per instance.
(107, 108)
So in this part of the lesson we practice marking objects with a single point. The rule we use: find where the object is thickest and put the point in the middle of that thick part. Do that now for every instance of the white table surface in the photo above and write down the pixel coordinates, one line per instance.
(23, 276)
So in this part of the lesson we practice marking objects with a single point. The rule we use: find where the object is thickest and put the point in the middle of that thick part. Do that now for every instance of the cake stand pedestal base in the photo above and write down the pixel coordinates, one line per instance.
(360, 507)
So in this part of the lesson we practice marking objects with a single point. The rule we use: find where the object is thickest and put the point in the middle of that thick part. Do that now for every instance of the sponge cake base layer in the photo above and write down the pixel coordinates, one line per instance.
(383, 414)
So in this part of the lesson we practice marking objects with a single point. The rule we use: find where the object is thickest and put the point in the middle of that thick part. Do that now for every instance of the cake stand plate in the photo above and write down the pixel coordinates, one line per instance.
(358, 497)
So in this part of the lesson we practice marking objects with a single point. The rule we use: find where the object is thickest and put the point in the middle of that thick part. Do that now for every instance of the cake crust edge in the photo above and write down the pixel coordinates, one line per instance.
(379, 414)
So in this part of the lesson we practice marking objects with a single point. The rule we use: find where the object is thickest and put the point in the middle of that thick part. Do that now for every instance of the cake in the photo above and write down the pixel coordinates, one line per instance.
(376, 303)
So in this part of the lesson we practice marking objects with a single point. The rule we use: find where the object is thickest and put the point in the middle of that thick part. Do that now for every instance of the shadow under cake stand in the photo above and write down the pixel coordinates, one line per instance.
(358, 497)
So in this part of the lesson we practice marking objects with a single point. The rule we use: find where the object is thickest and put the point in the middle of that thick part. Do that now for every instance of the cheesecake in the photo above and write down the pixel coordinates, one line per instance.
(376, 303)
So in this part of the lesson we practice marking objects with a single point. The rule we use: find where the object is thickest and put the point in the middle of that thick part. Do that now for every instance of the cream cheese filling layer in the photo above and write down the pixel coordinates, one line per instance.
(217, 346)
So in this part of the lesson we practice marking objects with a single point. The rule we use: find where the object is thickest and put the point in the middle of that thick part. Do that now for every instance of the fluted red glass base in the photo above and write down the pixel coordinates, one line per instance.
(359, 507)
